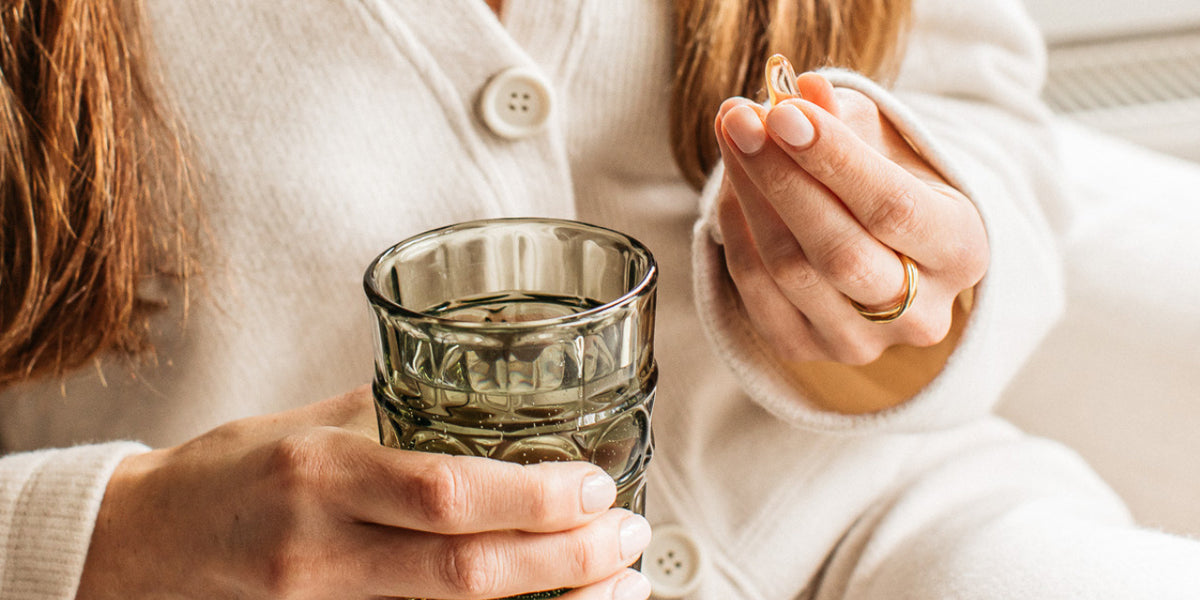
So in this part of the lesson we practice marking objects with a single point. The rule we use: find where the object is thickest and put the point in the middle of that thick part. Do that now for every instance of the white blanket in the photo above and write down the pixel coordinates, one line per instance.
(1119, 377)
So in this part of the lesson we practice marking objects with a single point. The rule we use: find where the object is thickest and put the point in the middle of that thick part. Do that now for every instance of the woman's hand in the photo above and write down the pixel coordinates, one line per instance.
(307, 504)
(821, 196)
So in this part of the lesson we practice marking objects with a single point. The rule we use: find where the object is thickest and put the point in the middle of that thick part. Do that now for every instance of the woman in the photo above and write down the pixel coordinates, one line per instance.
(324, 133)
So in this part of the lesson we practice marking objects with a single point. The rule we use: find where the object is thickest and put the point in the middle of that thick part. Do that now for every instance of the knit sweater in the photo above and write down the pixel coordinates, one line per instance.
(328, 131)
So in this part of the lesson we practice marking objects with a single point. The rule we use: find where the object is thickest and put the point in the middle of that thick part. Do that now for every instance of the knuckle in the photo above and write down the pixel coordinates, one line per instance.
(750, 279)
(231, 431)
(927, 332)
(280, 576)
(800, 278)
(970, 261)
(965, 263)
(781, 181)
(895, 216)
(228, 435)
(287, 569)
(981, 262)
(850, 265)
(581, 560)
(540, 501)
(831, 159)
(741, 269)
(441, 498)
(299, 461)
(472, 568)
(792, 272)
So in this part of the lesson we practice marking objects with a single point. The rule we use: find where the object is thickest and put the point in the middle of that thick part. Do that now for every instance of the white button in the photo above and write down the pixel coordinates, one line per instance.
(673, 562)
(516, 103)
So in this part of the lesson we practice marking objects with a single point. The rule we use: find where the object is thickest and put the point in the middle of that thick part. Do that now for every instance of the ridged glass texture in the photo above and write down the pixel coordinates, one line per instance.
(524, 340)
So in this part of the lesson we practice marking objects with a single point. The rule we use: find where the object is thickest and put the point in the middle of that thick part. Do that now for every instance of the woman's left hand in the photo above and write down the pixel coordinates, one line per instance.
(821, 196)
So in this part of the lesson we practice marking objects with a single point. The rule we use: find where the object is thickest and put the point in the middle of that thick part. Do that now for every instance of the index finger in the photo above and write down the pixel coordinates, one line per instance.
(895, 206)
(446, 494)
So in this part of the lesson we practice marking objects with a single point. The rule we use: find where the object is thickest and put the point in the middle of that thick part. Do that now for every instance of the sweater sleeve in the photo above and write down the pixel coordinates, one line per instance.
(49, 500)
(967, 101)
(1013, 518)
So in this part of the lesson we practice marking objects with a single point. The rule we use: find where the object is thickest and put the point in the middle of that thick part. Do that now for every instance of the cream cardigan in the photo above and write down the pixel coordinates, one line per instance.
(329, 130)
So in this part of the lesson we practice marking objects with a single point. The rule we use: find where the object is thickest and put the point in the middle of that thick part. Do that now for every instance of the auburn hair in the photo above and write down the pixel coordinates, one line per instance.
(94, 192)
(91, 185)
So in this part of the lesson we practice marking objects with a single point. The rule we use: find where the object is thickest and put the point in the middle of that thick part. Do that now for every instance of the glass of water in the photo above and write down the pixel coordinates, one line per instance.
(524, 340)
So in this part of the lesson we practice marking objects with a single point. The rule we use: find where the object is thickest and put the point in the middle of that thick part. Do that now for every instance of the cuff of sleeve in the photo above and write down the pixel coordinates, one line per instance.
(1015, 304)
(49, 500)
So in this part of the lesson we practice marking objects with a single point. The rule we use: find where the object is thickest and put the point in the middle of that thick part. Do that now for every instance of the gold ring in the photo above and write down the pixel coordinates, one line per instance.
(887, 315)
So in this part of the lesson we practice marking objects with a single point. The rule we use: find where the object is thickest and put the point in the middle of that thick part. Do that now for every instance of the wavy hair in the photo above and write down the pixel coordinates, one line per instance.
(91, 198)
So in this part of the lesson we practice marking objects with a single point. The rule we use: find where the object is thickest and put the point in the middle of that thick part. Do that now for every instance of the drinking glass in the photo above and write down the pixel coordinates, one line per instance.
(524, 340)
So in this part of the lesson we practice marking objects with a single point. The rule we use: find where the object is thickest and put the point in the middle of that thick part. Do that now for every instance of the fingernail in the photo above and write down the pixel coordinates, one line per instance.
(633, 586)
(598, 493)
(790, 124)
(746, 129)
(635, 536)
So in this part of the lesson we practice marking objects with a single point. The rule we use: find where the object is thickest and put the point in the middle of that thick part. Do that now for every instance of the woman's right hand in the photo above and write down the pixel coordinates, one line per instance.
(307, 504)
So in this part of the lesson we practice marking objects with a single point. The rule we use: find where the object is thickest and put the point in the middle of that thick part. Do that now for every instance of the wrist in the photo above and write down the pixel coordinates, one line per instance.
(123, 559)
